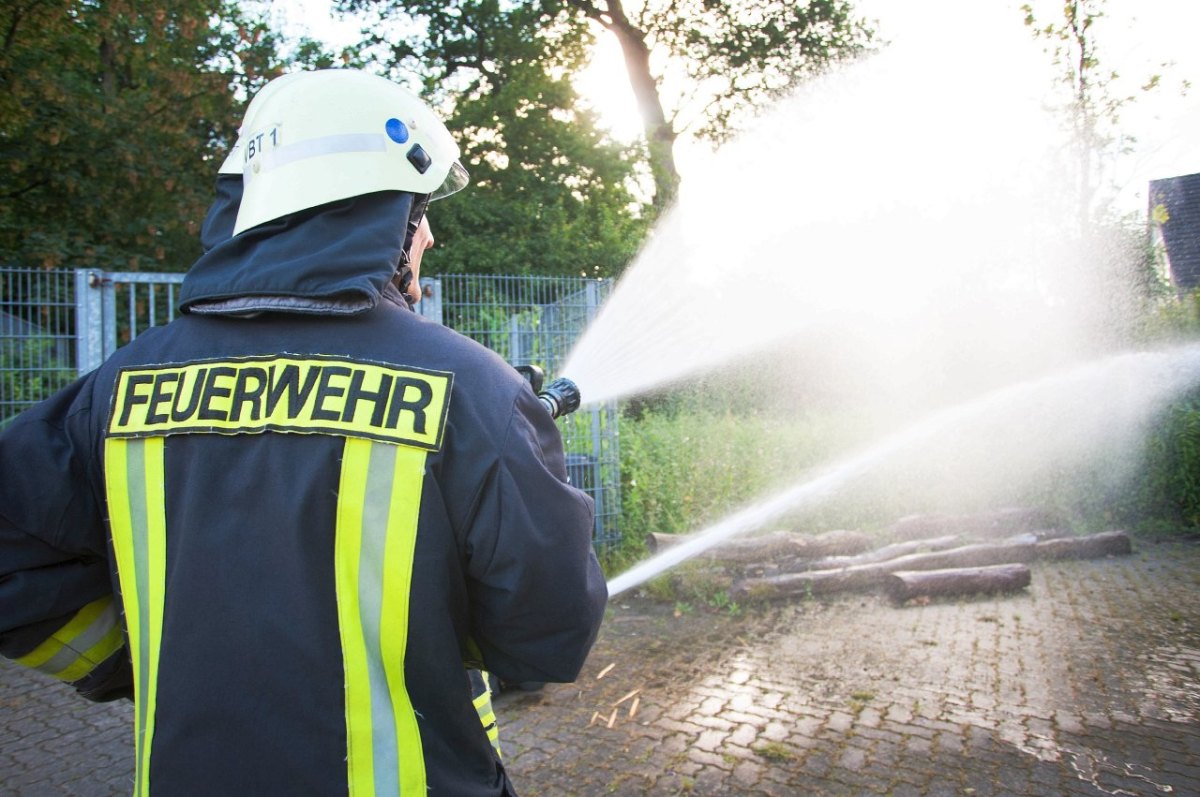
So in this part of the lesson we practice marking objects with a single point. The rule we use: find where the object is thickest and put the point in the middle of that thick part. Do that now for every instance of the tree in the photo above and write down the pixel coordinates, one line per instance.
(1109, 253)
(550, 192)
(705, 64)
(1094, 103)
(113, 118)
(694, 66)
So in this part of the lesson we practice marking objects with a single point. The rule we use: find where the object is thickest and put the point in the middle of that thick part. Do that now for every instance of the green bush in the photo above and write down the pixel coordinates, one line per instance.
(1167, 496)
(29, 372)
(683, 469)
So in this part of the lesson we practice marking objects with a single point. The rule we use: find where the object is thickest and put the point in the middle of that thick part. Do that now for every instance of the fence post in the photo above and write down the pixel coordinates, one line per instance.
(89, 319)
(592, 301)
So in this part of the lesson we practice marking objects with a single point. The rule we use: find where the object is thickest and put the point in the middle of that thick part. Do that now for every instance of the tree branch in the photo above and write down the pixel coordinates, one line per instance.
(19, 15)
(22, 191)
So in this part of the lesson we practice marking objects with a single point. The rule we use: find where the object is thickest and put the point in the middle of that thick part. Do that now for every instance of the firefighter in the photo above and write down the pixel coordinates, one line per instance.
(289, 522)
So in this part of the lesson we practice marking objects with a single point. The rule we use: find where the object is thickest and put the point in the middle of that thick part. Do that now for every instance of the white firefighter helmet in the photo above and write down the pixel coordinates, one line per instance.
(310, 138)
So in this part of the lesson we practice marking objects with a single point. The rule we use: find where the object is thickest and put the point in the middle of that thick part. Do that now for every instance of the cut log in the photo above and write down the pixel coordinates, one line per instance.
(822, 582)
(1093, 546)
(1000, 523)
(1018, 550)
(772, 546)
(995, 524)
(893, 551)
(908, 584)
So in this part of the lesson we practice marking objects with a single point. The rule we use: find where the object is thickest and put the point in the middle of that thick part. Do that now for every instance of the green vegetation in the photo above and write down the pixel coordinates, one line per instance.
(112, 121)
(691, 457)
(29, 372)
(775, 751)
(695, 66)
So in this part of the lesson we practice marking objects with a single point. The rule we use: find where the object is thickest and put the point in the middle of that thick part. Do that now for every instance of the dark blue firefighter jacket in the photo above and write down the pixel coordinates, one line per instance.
(287, 530)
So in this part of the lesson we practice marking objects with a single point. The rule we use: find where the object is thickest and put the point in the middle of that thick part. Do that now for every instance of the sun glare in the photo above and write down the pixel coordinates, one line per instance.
(604, 86)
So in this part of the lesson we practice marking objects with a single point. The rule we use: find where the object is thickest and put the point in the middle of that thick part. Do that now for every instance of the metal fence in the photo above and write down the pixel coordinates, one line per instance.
(535, 321)
(55, 325)
(37, 336)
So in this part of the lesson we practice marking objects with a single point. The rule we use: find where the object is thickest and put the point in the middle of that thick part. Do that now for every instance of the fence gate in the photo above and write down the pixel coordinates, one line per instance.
(114, 306)
(55, 325)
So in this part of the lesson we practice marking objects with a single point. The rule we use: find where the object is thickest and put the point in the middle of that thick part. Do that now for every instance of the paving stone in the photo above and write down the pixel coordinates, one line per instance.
(1085, 682)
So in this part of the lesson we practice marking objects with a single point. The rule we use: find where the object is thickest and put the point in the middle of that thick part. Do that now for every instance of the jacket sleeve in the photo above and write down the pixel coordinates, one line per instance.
(537, 592)
(57, 610)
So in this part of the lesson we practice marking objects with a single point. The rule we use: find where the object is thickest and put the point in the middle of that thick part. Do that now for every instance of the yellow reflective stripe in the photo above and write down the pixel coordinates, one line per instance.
(347, 545)
(493, 735)
(378, 504)
(487, 715)
(86, 641)
(134, 475)
(408, 467)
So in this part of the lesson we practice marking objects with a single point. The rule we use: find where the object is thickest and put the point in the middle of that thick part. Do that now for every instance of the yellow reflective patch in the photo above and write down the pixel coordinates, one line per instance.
(310, 395)
(81, 645)
(379, 499)
(134, 478)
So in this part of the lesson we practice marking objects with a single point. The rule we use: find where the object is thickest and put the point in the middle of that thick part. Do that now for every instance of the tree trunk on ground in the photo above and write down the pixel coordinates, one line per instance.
(908, 584)
(1094, 546)
(996, 524)
(893, 551)
(1022, 549)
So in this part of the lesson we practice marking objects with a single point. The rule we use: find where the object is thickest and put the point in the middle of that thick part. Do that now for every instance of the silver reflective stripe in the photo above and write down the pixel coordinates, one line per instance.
(99, 628)
(315, 148)
(376, 508)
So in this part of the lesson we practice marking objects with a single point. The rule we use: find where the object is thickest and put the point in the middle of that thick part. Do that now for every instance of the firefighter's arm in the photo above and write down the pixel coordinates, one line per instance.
(57, 611)
(537, 592)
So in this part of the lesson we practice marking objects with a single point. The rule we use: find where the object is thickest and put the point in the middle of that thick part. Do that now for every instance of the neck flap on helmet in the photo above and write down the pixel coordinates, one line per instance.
(346, 251)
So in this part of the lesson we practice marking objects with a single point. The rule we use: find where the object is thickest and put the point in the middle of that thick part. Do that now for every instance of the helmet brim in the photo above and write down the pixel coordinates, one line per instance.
(456, 180)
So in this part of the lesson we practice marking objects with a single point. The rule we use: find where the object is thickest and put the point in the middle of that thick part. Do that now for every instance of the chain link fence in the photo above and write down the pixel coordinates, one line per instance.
(55, 325)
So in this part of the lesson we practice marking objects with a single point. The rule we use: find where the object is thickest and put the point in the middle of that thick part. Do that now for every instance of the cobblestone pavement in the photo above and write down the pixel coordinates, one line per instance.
(1087, 683)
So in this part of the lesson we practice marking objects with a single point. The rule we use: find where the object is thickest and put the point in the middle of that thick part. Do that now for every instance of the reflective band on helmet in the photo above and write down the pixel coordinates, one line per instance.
(276, 157)
(134, 482)
(79, 647)
(379, 498)
(266, 156)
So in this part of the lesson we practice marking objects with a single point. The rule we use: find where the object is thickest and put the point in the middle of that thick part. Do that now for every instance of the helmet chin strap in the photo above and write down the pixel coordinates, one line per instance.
(403, 278)
(404, 275)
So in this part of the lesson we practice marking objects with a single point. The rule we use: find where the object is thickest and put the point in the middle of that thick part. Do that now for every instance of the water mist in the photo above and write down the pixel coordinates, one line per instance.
(901, 221)
(1008, 437)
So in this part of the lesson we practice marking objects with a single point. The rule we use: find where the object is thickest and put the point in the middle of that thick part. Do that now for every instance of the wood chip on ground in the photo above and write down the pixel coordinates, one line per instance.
(631, 694)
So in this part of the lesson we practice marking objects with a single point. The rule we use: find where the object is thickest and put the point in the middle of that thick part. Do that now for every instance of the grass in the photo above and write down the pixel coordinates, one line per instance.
(775, 751)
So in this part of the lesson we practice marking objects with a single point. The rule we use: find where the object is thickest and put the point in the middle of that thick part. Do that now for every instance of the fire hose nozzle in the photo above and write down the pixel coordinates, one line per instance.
(561, 397)
(533, 375)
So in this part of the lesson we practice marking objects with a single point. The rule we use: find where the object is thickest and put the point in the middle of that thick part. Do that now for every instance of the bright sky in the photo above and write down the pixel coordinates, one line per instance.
(1137, 37)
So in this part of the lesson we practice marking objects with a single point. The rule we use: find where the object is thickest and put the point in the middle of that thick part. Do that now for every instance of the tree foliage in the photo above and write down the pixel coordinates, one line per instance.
(1095, 98)
(113, 117)
(550, 192)
(704, 65)
(696, 66)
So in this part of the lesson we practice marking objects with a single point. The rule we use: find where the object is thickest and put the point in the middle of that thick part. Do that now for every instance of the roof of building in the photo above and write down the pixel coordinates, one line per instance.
(1175, 208)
